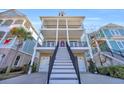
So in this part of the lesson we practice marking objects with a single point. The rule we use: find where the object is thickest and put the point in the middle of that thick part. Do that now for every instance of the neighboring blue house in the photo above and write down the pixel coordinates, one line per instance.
(110, 36)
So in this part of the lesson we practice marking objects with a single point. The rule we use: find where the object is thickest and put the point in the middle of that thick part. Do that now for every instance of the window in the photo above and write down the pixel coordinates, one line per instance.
(120, 44)
(115, 32)
(7, 23)
(1, 21)
(2, 56)
(107, 32)
(17, 60)
(2, 33)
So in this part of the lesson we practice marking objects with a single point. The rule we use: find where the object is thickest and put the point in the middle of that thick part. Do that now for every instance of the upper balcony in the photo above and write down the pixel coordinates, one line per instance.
(76, 46)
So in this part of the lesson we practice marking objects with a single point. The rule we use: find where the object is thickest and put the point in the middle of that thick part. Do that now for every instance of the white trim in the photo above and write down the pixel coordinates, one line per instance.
(90, 49)
(57, 31)
(67, 33)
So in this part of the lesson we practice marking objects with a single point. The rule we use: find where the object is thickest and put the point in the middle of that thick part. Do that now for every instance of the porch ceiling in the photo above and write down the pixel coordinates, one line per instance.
(62, 34)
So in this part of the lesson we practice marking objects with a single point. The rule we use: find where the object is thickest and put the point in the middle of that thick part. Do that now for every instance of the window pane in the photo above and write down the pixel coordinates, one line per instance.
(1, 34)
(120, 45)
(17, 60)
(7, 23)
(1, 21)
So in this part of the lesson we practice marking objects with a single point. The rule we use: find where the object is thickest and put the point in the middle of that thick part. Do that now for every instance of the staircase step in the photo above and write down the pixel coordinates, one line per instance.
(58, 63)
(63, 82)
(62, 59)
(63, 66)
(63, 70)
(63, 76)
(63, 73)
(57, 60)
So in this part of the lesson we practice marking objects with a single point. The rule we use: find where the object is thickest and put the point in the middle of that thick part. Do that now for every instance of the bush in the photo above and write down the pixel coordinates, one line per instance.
(103, 71)
(34, 67)
(3, 70)
(92, 67)
(114, 71)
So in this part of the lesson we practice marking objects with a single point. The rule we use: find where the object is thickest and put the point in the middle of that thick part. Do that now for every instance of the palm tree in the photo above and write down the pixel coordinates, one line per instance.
(21, 35)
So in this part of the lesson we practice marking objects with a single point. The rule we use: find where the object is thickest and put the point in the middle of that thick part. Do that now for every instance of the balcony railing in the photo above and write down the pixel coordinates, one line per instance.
(72, 44)
(48, 44)
(78, 44)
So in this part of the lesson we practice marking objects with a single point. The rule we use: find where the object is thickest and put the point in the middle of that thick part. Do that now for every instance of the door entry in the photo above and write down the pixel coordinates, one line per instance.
(62, 44)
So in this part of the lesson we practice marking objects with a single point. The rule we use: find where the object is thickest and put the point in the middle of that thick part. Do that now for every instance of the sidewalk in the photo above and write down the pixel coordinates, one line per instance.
(88, 78)
(40, 78)
(35, 78)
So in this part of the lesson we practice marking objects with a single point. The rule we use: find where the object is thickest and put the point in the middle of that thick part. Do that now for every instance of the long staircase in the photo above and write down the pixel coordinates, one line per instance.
(63, 70)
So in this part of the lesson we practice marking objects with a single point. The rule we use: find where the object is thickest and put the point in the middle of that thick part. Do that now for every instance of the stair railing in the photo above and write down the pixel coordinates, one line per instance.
(117, 52)
(51, 62)
(75, 62)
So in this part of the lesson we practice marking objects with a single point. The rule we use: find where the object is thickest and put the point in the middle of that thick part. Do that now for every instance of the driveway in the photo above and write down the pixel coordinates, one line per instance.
(34, 78)
(40, 78)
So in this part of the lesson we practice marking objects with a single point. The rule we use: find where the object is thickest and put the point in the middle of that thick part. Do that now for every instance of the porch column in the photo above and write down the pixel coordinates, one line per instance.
(90, 50)
(57, 31)
(67, 33)
(97, 45)
(34, 54)
(85, 61)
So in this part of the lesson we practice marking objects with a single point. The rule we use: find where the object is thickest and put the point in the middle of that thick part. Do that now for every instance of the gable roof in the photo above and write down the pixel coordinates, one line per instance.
(112, 25)
(11, 13)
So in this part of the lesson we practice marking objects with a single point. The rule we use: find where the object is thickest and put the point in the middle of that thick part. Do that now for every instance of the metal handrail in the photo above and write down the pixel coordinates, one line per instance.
(51, 62)
(75, 62)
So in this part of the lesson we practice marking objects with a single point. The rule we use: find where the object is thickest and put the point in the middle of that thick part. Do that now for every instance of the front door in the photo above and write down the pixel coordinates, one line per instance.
(62, 43)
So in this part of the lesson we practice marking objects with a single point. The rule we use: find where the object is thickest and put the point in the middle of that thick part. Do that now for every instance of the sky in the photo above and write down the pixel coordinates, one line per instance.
(94, 18)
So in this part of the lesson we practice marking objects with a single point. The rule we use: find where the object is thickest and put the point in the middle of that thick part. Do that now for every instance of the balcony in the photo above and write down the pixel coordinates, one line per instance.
(78, 44)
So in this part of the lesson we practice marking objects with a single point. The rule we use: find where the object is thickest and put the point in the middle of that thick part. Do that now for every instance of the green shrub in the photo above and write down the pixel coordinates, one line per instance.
(92, 67)
(3, 70)
(34, 67)
(114, 71)
(103, 71)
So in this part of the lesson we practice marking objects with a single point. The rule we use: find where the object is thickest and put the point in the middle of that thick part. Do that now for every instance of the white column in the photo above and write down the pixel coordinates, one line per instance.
(107, 41)
(67, 33)
(57, 31)
(90, 50)
(97, 45)
(13, 41)
(33, 56)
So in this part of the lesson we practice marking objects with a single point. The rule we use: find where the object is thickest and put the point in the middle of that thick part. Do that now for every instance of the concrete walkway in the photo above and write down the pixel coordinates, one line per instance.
(35, 78)
(40, 78)
(88, 78)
